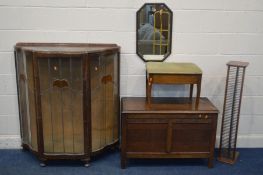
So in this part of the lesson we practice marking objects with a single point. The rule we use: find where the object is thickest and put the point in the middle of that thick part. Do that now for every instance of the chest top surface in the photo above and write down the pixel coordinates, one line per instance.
(166, 105)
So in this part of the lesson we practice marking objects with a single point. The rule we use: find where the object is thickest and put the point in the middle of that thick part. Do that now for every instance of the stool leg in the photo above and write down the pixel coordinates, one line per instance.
(148, 89)
(191, 91)
(198, 95)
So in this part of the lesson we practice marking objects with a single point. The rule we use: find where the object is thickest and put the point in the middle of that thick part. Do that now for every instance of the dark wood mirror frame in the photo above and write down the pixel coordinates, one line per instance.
(169, 32)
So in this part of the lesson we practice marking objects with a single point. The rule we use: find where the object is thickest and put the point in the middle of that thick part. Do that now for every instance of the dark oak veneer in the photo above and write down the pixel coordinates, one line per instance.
(68, 98)
(168, 128)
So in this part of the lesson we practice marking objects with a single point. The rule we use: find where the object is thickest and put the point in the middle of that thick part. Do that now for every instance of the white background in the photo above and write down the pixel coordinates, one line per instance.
(206, 32)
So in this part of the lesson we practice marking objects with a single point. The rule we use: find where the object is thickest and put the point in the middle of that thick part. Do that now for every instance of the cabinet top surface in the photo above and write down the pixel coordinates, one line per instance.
(166, 105)
(66, 48)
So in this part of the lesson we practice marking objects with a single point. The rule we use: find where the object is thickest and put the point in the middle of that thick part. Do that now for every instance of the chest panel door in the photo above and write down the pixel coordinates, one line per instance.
(146, 136)
(191, 135)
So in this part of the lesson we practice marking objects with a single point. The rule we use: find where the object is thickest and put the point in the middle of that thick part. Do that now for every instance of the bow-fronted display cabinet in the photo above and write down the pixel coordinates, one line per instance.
(68, 98)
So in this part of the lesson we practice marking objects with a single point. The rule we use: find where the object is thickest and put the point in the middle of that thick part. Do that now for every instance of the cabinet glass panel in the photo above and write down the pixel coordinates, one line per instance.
(27, 99)
(104, 97)
(61, 87)
(97, 70)
(110, 80)
(21, 78)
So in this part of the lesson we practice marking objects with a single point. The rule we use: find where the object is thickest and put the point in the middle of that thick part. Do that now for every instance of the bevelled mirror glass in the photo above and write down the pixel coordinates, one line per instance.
(154, 32)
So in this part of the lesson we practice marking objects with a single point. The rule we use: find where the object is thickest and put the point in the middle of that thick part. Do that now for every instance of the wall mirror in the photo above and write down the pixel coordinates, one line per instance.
(154, 32)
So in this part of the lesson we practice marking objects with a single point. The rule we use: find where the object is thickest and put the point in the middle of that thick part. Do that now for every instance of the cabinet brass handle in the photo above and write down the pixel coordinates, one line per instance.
(199, 115)
(96, 68)
(206, 116)
(55, 68)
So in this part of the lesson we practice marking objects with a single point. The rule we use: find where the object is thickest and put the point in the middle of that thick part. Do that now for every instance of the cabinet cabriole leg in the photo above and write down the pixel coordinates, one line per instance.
(86, 162)
(43, 162)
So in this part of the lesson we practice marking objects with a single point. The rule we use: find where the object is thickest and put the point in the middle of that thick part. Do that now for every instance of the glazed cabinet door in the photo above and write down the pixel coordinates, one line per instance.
(26, 95)
(104, 82)
(97, 69)
(112, 101)
(61, 96)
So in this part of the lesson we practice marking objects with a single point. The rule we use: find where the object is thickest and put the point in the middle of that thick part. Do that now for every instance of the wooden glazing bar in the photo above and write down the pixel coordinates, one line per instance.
(40, 140)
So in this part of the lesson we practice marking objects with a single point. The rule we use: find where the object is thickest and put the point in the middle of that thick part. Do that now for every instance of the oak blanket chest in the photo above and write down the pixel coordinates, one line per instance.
(168, 128)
